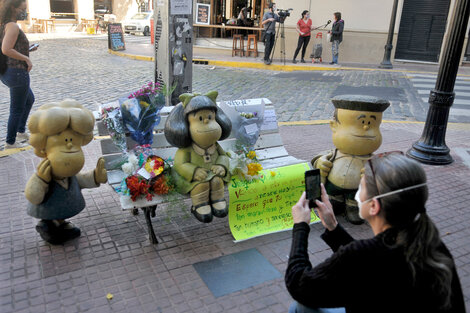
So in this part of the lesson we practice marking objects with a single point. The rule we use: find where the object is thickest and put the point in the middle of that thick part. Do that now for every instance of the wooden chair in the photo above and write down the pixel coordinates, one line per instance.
(49, 25)
(249, 50)
(238, 48)
(38, 25)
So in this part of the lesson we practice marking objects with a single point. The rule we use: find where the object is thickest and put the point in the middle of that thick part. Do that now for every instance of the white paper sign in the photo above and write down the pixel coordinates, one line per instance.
(179, 7)
(143, 172)
(269, 120)
(251, 128)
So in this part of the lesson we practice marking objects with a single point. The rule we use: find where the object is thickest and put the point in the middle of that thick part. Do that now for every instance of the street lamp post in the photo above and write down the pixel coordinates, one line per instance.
(431, 147)
(386, 63)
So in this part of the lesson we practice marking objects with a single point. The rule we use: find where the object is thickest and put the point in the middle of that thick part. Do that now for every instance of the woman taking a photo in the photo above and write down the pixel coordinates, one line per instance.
(15, 49)
(304, 26)
(405, 267)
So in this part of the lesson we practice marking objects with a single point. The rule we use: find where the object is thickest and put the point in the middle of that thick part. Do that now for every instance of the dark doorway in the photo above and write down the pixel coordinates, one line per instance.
(422, 28)
(64, 9)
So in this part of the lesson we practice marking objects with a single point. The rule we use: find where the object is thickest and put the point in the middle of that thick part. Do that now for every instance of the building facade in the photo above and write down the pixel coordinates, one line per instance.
(75, 10)
(420, 27)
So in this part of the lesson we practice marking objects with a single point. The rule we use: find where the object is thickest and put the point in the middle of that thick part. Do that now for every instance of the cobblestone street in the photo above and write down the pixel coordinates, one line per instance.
(82, 69)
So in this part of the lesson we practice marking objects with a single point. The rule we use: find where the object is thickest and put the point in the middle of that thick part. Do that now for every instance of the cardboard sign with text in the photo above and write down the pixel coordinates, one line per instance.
(264, 206)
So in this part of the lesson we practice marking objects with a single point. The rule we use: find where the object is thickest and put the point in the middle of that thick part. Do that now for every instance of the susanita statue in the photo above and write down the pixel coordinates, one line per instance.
(201, 166)
(58, 132)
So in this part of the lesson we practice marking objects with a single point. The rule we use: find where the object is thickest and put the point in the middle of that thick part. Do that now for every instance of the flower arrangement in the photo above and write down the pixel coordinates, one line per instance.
(112, 119)
(140, 112)
(149, 178)
(245, 165)
(249, 114)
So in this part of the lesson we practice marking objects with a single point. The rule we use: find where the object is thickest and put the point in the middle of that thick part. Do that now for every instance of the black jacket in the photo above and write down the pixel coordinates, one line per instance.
(337, 30)
(362, 275)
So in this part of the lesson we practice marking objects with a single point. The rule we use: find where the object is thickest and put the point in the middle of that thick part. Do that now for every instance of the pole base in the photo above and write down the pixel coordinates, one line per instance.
(429, 154)
(386, 65)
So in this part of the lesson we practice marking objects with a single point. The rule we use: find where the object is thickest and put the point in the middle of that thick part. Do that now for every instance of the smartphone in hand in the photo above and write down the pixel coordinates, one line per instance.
(312, 186)
(34, 45)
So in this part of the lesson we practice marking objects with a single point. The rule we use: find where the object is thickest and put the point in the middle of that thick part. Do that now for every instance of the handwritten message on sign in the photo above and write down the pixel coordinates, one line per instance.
(264, 206)
(116, 37)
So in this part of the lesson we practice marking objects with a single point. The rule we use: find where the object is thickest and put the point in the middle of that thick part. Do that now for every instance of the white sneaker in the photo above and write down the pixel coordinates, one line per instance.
(15, 145)
(22, 136)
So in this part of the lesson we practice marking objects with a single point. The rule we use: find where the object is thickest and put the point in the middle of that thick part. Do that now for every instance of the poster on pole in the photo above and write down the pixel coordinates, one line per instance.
(264, 206)
(181, 7)
(203, 13)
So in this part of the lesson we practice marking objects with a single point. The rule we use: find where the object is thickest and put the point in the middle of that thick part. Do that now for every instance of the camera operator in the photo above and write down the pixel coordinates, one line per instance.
(269, 21)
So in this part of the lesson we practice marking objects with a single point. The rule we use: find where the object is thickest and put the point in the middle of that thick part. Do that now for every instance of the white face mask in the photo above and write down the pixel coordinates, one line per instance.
(360, 203)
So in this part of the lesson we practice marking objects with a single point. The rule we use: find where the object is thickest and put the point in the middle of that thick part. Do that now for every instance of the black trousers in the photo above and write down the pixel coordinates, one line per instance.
(303, 40)
(268, 45)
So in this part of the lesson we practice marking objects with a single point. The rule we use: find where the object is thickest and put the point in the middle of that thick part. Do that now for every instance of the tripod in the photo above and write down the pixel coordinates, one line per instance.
(280, 30)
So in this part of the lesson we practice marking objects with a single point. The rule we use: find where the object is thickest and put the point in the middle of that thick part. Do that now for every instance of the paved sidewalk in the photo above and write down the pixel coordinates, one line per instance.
(113, 255)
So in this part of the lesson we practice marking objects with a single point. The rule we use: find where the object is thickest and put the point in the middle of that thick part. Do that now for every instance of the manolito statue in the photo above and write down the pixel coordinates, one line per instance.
(201, 166)
(58, 132)
(356, 135)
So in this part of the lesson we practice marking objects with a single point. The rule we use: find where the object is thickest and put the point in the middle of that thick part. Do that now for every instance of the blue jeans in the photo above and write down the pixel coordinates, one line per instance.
(296, 307)
(21, 101)
(335, 50)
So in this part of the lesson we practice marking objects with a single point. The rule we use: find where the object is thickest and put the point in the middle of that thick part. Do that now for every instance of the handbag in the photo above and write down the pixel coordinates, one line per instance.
(328, 37)
(263, 34)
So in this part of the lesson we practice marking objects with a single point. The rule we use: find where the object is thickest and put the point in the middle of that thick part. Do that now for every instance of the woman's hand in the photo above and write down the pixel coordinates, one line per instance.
(300, 211)
(29, 63)
(324, 210)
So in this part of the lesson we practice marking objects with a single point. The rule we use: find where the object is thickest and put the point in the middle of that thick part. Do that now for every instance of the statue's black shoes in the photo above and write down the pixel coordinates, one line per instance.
(219, 208)
(202, 212)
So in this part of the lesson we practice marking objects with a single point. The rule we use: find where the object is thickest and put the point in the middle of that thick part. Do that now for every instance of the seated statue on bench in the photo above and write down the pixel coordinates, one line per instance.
(201, 166)
(356, 135)
(58, 132)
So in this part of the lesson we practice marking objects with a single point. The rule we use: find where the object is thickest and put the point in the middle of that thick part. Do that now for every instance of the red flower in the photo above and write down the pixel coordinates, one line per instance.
(160, 186)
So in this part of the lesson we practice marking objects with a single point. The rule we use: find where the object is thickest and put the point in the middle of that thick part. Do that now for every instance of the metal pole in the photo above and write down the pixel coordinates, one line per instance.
(431, 147)
(386, 63)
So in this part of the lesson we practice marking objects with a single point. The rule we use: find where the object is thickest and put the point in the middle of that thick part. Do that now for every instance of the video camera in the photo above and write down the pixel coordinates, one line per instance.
(283, 14)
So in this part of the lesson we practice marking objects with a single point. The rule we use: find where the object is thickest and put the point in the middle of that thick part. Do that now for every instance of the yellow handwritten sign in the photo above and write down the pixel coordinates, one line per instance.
(264, 206)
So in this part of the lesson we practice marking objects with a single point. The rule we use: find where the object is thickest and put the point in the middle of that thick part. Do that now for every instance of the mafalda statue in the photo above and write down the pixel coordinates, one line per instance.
(201, 165)
(356, 135)
(58, 132)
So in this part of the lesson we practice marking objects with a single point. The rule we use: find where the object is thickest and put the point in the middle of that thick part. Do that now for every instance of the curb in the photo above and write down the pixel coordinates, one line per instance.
(273, 67)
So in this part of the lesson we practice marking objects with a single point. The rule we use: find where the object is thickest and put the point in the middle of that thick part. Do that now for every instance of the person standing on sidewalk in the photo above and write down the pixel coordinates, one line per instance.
(405, 268)
(15, 49)
(304, 26)
(269, 22)
(336, 36)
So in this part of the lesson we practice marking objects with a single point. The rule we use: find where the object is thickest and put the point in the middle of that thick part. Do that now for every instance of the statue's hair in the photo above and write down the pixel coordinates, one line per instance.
(53, 118)
(177, 126)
